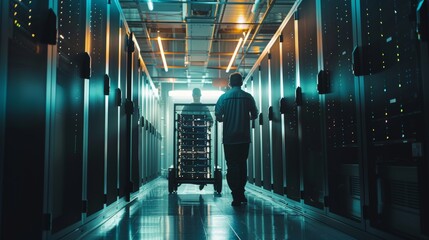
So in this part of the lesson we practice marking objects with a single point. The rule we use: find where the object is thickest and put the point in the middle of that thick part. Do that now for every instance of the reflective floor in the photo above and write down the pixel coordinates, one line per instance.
(194, 214)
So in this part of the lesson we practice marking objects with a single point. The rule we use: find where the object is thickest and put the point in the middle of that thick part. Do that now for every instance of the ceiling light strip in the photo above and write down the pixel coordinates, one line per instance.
(235, 53)
(162, 54)
(150, 5)
(246, 36)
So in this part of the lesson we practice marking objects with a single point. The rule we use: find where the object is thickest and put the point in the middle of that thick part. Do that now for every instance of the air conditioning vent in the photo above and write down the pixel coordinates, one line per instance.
(355, 187)
(405, 194)
(204, 11)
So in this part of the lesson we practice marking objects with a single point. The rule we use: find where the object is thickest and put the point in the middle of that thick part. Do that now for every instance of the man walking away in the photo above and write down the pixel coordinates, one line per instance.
(236, 108)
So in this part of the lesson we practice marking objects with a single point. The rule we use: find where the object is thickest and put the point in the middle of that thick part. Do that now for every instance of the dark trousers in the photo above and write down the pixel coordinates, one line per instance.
(236, 161)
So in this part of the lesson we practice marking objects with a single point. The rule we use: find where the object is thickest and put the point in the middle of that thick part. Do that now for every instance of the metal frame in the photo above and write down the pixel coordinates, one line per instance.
(177, 181)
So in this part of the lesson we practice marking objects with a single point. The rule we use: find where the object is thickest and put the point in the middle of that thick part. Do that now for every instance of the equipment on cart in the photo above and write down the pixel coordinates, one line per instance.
(195, 148)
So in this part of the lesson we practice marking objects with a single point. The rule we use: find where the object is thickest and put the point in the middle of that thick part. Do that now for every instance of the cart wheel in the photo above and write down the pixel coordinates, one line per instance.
(218, 181)
(172, 186)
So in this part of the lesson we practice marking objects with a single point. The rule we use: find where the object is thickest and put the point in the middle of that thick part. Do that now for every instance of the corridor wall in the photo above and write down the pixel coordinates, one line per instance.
(72, 104)
(355, 115)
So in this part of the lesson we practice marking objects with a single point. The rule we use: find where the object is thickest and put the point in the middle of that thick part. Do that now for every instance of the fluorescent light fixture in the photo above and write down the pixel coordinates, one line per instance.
(233, 55)
(246, 36)
(150, 5)
(162, 54)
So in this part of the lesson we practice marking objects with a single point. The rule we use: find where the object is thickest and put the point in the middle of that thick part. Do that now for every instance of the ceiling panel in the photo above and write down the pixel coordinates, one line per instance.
(200, 36)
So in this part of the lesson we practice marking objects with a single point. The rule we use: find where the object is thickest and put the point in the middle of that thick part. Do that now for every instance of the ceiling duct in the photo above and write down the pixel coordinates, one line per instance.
(199, 30)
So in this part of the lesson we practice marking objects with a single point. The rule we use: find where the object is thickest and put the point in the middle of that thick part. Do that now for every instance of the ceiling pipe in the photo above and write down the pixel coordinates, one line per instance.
(192, 1)
(146, 32)
(218, 16)
(132, 23)
(208, 39)
(258, 28)
(274, 38)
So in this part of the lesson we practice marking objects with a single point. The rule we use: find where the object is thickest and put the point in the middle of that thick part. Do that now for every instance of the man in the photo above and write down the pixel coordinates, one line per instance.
(236, 108)
(196, 106)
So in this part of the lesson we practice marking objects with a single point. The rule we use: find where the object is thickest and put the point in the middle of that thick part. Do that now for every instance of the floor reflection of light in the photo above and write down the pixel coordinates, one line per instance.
(151, 227)
(134, 208)
(113, 222)
(218, 227)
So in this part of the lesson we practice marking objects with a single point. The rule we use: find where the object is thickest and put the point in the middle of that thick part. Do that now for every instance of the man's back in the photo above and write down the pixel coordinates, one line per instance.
(235, 109)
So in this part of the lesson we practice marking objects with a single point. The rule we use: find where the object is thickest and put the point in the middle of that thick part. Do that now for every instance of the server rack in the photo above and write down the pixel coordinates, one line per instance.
(195, 148)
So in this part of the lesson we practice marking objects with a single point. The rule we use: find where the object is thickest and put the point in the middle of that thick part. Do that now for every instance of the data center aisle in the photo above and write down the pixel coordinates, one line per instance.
(193, 214)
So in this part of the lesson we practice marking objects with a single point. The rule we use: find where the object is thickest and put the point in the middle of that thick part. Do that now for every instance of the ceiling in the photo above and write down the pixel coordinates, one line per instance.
(199, 37)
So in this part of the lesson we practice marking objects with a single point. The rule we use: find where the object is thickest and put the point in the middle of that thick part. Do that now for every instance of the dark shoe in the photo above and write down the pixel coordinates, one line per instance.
(243, 200)
(201, 186)
(235, 203)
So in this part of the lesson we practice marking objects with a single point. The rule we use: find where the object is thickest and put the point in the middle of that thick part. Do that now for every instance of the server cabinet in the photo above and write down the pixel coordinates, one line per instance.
(341, 106)
(393, 106)
(68, 128)
(423, 11)
(135, 165)
(25, 119)
(3, 76)
(275, 118)
(149, 135)
(96, 111)
(113, 110)
(251, 157)
(258, 130)
(144, 132)
(265, 133)
(140, 125)
(312, 156)
(123, 178)
(293, 176)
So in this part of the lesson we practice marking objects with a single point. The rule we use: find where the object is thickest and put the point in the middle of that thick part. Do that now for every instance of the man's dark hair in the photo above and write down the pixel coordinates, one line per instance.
(235, 79)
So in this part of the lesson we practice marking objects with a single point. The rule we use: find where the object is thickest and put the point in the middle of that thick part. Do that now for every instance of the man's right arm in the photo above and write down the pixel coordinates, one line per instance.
(253, 109)
(219, 110)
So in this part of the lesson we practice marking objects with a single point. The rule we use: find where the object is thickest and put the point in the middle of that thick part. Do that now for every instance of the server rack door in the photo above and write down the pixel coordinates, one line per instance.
(123, 180)
(341, 102)
(145, 133)
(156, 137)
(144, 147)
(393, 115)
(135, 177)
(3, 80)
(424, 56)
(251, 158)
(68, 127)
(276, 139)
(311, 144)
(265, 138)
(258, 136)
(96, 111)
(113, 139)
(292, 166)
(154, 156)
(24, 136)
(140, 130)
(153, 152)
(149, 135)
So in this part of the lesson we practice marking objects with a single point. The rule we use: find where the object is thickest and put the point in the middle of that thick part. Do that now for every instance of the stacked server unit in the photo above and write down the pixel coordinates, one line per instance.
(195, 158)
(194, 146)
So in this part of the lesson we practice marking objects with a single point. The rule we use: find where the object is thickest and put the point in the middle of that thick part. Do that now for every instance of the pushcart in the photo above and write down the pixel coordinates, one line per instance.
(195, 148)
